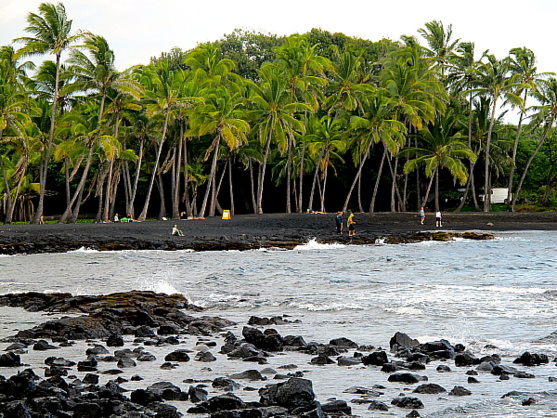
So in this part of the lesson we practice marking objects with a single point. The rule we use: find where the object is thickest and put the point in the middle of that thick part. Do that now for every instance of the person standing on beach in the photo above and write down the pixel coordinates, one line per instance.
(339, 221)
(422, 215)
(350, 222)
(438, 218)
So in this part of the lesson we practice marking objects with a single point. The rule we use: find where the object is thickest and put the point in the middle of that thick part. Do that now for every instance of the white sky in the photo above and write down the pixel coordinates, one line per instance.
(137, 30)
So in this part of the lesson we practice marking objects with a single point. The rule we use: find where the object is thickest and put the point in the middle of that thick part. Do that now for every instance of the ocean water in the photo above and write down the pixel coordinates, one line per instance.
(496, 296)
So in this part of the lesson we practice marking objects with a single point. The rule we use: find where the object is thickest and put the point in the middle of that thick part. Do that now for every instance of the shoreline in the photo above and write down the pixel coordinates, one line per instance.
(261, 231)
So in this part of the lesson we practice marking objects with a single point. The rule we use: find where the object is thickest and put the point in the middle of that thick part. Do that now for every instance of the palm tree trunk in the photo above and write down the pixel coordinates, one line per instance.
(395, 192)
(436, 174)
(513, 155)
(252, 186)
(424, 202)
(301, 179)
(189, 206)
(177, 174)
(11, 207)
(143, 214)
(231, 187)
(315, 174)
(487, 183)
(160, 187)
(262, 176)
(377, 180)
(357, 177)
(289, 173)
(211, 181)
(130, 204)
(219, 185)
(43, 170)
(530, 159)
(323, 190)
(80, 187)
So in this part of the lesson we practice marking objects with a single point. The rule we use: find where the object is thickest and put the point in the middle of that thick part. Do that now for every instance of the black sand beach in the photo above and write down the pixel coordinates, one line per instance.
(249, 231)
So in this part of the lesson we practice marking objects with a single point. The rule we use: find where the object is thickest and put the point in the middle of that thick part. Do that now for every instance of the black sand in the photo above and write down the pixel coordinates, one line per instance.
(248, 231)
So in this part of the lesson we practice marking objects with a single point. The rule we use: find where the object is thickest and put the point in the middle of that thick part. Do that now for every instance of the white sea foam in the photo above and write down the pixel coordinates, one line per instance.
(312, 244)
(83, 250)
(159, 286)
(335, 306)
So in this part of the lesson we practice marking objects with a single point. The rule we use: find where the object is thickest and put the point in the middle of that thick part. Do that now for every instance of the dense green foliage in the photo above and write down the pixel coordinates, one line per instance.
(256, 122)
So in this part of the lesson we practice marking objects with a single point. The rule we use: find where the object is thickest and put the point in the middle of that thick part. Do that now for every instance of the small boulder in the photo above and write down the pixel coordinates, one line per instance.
(407, 402)
(408, 378)
(377, 358)
(430, 388)
(377, 406)
(460, 391)
(178, 355)
(10, 360)
(43, 345)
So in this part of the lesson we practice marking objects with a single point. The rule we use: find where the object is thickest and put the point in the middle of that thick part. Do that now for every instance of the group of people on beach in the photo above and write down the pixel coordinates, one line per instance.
(438, 218)
(127, 218)
(350, 222)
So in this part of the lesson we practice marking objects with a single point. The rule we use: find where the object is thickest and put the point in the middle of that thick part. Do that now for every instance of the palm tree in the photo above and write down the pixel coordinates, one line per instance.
(163, 98)
(304, 70)
(462, 74)
(442, 149)
(94, 72)
(523, 63)
(493, 80)
(273, 116)
(545, 116)
(50, 33)
(83, 125)
(441, 45)
(221, 115)
(326, 144)
(417, 94)
(374, 126)
(15, 112)
(347, 90)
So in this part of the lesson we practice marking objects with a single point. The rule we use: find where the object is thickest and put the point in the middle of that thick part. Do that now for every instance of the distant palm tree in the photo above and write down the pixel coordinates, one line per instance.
(442, 148)
(50, 33)
(327, 142)
(545, 116)
(523, 63)
(222, 115)
(441, 44)
(273, 116)
(493, 80)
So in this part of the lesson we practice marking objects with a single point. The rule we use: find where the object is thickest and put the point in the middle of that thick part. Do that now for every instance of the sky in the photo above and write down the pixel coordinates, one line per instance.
(138, 30)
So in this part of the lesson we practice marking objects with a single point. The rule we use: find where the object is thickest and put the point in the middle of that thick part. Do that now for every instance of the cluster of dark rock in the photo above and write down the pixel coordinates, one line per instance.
(157, 320)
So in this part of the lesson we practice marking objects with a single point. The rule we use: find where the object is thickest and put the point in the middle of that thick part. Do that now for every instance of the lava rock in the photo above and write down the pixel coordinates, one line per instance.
(460, 391)
(407, 402)
(430, 388)
(178, 355)
(377, 358)
(408, 378)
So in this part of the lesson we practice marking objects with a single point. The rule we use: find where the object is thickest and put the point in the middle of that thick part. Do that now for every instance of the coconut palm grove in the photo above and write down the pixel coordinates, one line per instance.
(259, 123)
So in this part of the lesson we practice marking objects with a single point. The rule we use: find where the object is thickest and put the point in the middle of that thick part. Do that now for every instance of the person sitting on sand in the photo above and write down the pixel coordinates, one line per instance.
(177, 231)
(116, 218)
(129, 218)
(183, 216)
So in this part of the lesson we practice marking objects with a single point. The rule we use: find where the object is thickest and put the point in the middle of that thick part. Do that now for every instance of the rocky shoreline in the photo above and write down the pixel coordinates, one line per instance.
(116, 333)
(261, 231)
